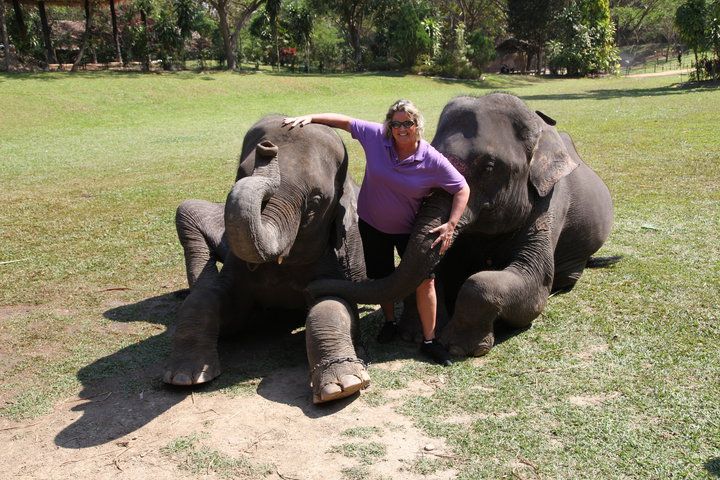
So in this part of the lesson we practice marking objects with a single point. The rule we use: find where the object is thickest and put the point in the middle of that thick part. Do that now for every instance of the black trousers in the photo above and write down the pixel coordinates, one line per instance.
(379, 249)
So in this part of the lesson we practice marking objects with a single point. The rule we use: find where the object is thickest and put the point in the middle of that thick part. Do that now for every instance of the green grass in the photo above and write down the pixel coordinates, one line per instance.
(192, 456)
(618, 379)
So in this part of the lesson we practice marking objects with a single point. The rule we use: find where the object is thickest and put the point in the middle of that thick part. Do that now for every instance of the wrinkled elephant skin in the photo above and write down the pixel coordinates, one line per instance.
(290, 218)
(536, 214)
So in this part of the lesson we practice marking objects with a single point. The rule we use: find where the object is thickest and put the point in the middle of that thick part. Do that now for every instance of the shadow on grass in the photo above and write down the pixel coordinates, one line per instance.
(713, 466)
(124, 391)
(666, 90)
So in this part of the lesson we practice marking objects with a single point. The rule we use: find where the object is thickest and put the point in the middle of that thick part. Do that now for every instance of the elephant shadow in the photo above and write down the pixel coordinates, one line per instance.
(124, 391)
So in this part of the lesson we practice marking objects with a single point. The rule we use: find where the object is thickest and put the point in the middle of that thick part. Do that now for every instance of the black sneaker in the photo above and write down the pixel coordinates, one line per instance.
(437, 352)
(388, 332)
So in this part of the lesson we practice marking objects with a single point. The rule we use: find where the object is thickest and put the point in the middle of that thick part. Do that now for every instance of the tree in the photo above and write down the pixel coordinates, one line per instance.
(713, 34)
(5, 38)
(630, 16)
(86, 35)
(272, 8)
(401, 32)
(690, 20)
(531, 22)
(584, 39)
(232, 16)
(352, 15)
(299, 19)
(115, 33)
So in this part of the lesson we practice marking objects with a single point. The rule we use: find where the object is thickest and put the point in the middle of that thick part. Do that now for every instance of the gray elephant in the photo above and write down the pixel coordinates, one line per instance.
(536, 214)
(290, 218)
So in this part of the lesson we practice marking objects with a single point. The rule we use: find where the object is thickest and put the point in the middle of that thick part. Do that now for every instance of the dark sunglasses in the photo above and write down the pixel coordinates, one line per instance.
(406, 124)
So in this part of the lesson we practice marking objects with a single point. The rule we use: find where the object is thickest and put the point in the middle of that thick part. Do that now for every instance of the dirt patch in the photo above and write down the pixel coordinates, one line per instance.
(593, 400)
(276, 429)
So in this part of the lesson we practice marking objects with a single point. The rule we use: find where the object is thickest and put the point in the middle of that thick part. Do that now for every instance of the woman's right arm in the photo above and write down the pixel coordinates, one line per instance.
(335, 120)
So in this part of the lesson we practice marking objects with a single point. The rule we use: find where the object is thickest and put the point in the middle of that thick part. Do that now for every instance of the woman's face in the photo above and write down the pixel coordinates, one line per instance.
(403, 136)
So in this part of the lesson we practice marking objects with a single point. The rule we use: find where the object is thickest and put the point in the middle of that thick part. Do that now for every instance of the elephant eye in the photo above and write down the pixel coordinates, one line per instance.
(314, 200)
(490, 166)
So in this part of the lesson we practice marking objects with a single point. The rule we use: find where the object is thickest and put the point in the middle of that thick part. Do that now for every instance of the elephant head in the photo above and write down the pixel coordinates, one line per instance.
(511, 157)
(285, 198)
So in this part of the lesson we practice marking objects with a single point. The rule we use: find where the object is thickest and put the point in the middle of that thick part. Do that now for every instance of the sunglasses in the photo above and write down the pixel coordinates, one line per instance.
(406, 124)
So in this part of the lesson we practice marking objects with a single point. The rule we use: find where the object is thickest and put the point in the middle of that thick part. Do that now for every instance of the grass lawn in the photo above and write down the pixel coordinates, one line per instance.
(618, 379)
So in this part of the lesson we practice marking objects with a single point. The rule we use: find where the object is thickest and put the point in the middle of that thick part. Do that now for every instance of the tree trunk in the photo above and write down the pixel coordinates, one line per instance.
(49, 50)
(355, 44)
(225, 33)
(146, 56)
(20, 20)
(116, 35)
(86, 36)
(4, 37)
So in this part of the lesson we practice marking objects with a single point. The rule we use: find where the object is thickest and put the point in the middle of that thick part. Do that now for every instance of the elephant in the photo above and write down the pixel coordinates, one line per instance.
(535, 216)
(289, 218)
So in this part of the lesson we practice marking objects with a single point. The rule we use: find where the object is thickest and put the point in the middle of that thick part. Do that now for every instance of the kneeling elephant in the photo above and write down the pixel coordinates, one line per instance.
(290, 218)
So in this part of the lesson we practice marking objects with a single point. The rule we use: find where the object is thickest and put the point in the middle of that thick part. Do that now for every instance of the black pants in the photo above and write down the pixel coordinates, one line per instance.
(379, 249)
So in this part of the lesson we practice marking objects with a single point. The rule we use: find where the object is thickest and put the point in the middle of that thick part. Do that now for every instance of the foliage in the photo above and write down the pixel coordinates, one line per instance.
(480, 49)
(329, 48)
(644, 21)
(532, 23)
(453, 59)
(401, 33)
(699, 26)
(584, 40)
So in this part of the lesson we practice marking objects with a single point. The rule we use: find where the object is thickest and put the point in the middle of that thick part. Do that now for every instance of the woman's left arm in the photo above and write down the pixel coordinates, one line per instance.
(446, 230)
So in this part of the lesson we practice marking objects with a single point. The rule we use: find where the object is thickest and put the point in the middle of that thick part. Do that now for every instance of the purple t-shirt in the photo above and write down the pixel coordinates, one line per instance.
(392, 190)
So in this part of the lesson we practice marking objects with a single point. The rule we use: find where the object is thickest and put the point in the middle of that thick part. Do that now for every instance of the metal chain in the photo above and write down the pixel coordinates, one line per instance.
(333, 361)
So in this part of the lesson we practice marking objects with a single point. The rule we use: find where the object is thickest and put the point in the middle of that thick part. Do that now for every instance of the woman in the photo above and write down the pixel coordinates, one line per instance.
(401, 168)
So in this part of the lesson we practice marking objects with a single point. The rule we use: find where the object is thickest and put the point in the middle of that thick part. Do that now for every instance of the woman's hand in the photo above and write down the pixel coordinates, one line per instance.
(445, 238)
(300, 121)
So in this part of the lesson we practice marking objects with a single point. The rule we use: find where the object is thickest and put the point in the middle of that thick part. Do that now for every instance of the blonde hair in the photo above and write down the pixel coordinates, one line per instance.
(408, 107)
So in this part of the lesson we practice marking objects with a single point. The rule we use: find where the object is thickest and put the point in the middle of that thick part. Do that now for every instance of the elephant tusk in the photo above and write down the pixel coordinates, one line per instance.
(280, 260)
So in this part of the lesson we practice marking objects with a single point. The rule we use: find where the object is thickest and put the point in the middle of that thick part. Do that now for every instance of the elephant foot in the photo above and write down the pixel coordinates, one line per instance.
(188, 371)
(338, 378)
(466, 347)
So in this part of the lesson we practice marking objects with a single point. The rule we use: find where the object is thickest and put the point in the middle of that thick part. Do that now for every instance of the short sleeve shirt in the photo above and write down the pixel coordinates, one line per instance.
(392, 190)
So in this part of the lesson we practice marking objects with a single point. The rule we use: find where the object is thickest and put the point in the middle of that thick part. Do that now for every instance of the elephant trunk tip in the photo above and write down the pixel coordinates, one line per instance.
(266, 149)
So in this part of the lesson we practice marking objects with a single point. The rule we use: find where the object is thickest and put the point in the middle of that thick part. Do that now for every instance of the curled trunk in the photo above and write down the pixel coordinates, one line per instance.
(257, 232)
(416, 265)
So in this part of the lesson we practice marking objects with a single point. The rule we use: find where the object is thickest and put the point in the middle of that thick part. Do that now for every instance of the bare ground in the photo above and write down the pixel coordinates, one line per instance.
(269, 428)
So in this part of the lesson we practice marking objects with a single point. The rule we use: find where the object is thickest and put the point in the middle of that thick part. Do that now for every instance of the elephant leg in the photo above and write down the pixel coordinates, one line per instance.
(335, 369)
(484, 298)
(201, 227)
(208, 310)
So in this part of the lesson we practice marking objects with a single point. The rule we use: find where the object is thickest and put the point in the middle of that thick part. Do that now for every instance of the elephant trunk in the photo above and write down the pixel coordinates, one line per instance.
(417, 263)
(256, 230)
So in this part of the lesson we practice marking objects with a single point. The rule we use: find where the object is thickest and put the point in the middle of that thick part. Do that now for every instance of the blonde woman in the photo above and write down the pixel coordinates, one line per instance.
(401, 169)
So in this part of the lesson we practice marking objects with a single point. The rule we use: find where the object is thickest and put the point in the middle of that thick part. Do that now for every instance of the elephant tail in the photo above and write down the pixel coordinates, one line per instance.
(602, 262)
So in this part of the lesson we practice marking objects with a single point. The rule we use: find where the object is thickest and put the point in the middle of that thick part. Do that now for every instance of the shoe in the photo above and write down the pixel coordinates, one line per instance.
(388, 332)
(436, 352)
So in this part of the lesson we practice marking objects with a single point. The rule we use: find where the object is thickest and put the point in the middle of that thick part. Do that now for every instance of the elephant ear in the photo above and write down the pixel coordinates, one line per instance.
(550, 162)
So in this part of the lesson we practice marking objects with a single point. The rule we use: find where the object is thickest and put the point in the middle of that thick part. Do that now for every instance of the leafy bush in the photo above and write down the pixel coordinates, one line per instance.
(480, 49)
(583, 43)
